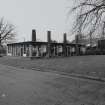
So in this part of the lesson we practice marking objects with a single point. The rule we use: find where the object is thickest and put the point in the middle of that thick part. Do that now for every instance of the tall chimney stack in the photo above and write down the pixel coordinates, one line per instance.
(48, 36)
(64, 44)
(49, 42)
(65, 38)
(77, 39)
(34, 35)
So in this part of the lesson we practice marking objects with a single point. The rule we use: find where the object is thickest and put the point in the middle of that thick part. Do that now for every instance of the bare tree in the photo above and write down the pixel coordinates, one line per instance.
(7, 32)
(90, 17)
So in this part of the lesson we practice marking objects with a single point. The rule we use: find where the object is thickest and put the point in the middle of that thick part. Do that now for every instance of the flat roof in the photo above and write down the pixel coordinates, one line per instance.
(40, 43)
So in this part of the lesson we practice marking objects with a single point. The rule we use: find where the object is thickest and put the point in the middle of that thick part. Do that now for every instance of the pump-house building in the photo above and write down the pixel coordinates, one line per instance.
(50, 48)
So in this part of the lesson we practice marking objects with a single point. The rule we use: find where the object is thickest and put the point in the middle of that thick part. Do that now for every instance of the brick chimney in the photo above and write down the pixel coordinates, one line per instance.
(64, 44)
(65, 38)
(34, 35)
(77, 39)
(48, 36)
(49, 43)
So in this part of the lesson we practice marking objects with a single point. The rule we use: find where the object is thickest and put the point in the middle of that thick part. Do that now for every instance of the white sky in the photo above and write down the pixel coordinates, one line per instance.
(41, 15)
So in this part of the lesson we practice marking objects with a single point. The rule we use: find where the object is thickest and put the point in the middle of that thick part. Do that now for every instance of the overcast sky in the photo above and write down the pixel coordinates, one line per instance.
(41, 15)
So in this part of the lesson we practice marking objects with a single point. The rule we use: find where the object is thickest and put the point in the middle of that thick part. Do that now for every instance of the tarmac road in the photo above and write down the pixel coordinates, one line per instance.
(28, 87)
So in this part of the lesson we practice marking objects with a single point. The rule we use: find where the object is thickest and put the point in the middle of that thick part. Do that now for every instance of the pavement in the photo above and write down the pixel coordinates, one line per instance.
(28, 87)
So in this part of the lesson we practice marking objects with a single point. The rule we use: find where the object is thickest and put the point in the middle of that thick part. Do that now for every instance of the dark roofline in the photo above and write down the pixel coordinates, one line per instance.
(44, 43)
(27, 42)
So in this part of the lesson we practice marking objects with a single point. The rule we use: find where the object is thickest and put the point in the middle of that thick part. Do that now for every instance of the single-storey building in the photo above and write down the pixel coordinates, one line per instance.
(44, 49)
